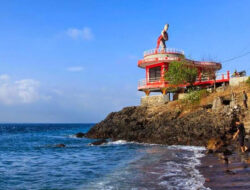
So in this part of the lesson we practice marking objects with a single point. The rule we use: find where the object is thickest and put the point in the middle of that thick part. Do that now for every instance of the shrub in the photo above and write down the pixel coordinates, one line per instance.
(193, 97)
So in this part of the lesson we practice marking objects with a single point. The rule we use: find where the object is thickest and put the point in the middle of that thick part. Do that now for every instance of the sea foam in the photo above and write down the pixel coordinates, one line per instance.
(160, 167)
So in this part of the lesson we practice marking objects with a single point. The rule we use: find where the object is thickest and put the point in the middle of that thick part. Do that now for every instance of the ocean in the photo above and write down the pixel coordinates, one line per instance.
(29, 159)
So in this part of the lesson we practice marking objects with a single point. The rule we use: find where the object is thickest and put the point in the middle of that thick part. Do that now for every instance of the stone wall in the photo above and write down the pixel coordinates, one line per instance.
(237, 80)
(182, 96)
(154, 100)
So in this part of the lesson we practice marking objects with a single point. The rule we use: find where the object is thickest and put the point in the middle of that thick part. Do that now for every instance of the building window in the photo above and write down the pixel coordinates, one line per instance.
(154, 74)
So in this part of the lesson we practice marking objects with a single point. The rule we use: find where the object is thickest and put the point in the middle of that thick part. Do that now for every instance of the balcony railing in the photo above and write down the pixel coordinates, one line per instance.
(219, 76)
(142, 83)
(158, 82)
(167, 50)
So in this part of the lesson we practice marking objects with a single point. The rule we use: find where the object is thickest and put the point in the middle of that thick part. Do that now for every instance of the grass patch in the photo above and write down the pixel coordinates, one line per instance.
(194, 97)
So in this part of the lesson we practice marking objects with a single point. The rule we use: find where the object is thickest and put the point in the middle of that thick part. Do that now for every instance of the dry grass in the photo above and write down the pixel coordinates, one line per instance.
(227, 93)
(186, 109)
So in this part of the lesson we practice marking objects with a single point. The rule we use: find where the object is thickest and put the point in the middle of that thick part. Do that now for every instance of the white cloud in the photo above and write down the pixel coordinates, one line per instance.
(75, 69)
(18, 92)
(27, 90)
(84, 34)
(4, 77)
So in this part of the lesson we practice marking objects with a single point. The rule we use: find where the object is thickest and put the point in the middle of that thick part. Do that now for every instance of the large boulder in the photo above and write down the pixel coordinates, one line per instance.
(214, 144)
(80, 135)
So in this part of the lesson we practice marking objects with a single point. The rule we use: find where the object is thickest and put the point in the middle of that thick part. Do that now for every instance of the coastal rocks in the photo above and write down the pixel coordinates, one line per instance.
(161, 125)
(60, 145)
(214, 144)
(55, 146)
(80, 135)
(99, 142)
(207, 106)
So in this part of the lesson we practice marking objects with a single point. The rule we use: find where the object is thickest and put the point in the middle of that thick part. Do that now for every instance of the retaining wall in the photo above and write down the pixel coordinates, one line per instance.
(154, 100)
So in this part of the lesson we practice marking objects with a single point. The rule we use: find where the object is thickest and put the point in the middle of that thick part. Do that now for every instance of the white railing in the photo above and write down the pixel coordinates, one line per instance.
(167, 50)
(221, 76)
(151, 81)
(155, 79)
(142, 83)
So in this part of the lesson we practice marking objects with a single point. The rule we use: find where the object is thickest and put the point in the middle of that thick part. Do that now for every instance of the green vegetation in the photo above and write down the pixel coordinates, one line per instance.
(178, 73)
(194, 97)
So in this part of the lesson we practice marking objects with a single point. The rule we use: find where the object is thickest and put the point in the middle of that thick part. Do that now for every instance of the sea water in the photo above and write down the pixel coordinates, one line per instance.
(29, 159)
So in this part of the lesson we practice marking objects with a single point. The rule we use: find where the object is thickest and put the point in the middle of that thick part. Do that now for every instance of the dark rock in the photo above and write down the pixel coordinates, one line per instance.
(230, 172)
(80, 135)
(160, 125)
(60, 145)
(209, 151)
(214, 144)
(99, 142)
(227, 152)
(208, 106)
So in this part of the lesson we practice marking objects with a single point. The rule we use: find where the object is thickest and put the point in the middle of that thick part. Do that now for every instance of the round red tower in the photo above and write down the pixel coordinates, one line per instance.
(156, 63)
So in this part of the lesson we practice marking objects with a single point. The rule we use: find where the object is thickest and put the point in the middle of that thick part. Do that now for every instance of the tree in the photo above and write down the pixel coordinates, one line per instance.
(178, 73)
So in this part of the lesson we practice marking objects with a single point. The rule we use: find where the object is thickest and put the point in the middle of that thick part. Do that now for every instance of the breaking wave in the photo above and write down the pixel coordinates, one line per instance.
(161, 167)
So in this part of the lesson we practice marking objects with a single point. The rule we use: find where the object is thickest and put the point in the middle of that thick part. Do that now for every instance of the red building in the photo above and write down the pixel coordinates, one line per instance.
(156, 63)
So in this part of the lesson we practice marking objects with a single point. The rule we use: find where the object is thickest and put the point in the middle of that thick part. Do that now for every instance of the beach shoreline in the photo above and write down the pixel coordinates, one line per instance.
(211, 124)
(221, 176)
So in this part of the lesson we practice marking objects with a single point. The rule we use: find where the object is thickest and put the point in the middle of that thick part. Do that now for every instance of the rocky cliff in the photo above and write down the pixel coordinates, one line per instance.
(164, 125)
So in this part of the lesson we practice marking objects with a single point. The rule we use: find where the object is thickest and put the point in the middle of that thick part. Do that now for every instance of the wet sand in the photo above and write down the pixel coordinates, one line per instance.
(222, 176)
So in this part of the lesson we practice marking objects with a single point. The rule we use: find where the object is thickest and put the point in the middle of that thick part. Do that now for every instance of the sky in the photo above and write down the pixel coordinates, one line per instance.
(76, 61)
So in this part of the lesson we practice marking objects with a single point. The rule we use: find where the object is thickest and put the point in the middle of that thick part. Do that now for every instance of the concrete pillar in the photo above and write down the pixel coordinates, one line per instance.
(147, 92)
(163, 91)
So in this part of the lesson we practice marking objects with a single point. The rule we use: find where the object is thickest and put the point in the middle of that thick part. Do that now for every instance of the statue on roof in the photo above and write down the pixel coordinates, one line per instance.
(161, 41)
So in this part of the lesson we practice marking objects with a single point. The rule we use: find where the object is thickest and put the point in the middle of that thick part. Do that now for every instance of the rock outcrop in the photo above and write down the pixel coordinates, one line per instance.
(80, 135)
(60, 145)
(99, 142)
(161, 125)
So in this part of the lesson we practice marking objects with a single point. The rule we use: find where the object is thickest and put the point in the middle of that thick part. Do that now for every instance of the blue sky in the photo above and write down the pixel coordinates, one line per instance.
(76, 61)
